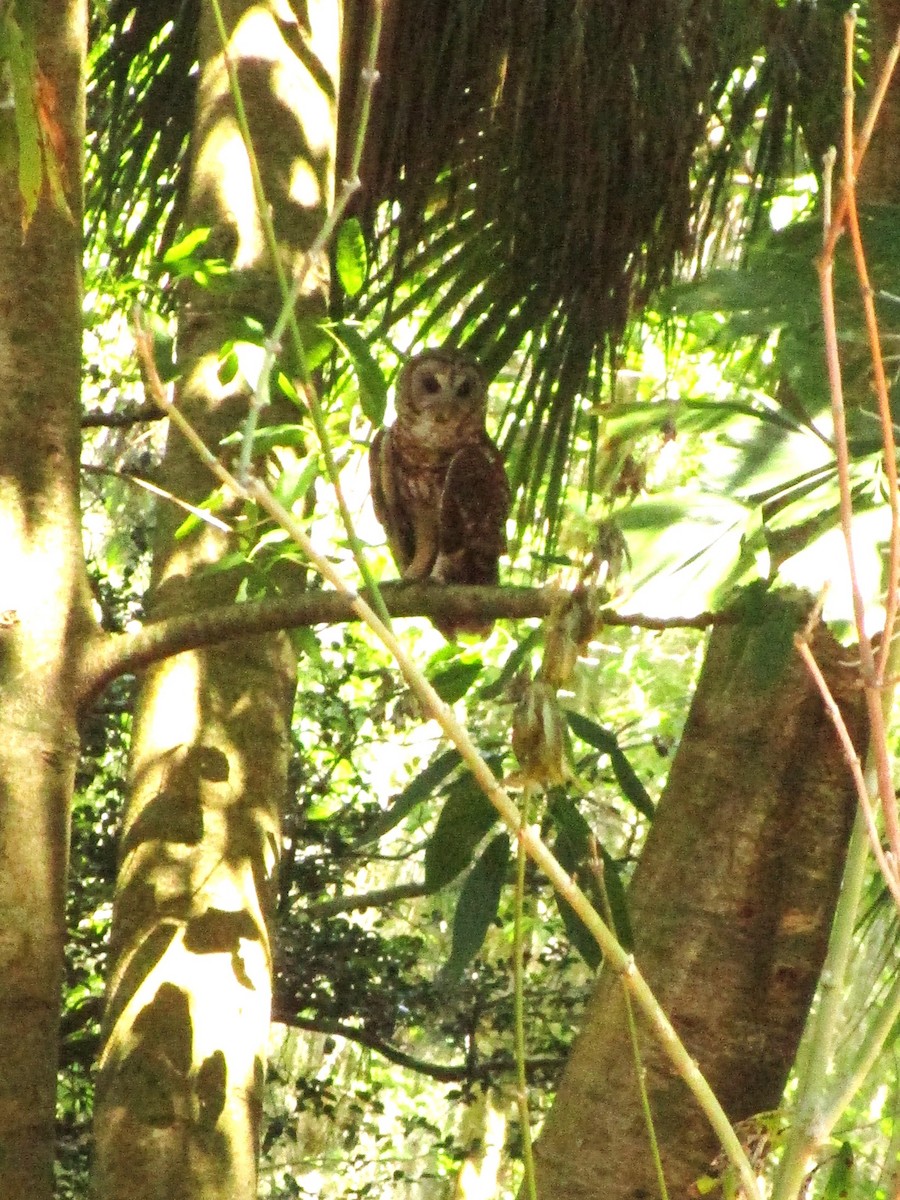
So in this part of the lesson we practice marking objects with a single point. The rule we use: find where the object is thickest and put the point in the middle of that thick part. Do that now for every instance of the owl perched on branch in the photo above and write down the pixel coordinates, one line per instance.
(438, 482)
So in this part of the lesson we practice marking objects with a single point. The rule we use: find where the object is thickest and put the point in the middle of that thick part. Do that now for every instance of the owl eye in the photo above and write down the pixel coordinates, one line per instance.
(464, 389)
(431, 383)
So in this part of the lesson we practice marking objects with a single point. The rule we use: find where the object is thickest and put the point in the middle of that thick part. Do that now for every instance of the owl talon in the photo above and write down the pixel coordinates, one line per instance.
(416, 572)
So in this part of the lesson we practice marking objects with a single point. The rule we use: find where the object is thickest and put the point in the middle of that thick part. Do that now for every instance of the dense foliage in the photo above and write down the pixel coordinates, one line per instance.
(693, 461)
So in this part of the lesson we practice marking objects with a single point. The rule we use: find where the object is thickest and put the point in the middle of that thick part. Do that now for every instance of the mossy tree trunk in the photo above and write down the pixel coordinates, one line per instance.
(180, 1086)
(731, 906)
(44, 606)
(735, 891)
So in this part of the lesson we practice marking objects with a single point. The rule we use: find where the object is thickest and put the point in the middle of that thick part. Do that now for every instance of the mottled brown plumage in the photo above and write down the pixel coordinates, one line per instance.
(438, 482)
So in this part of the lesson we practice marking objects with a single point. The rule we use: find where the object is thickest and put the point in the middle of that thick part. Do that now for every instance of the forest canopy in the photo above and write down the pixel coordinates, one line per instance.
(573, 876)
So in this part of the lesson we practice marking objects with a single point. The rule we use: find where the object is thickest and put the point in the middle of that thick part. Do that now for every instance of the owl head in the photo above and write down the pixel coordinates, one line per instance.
(442, 395)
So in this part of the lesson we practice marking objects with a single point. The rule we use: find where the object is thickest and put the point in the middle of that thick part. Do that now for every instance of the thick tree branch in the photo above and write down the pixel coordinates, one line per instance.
(463, 1072)
(363, 900)
(112, 655)
(81, 1042)
(122, 419)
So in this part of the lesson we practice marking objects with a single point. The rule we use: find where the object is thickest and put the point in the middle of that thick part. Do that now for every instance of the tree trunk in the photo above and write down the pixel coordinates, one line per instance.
(44, 611)
(731, 906)
(180, 1087)
(879, 181)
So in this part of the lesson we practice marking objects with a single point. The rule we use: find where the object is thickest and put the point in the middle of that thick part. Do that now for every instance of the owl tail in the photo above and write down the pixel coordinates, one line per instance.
(452, 630)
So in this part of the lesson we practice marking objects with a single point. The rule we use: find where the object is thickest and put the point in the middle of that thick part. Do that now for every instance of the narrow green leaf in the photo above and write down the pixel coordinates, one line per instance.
(213, 503)
(573, 849)
(289, 390)
(515, 661)
(465, 818)
(477, 907)
(228, 367)
(295, 481)
(350, 256)
(626, 777)
(371, 382)
(236, 561)
(414, 793)
(269, 437)
(618, 901)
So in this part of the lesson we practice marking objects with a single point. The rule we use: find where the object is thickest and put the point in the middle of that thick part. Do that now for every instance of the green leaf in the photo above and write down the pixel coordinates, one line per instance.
(268, 437)
(235, 561)
(370, 380)
(350, 256)
(841, 1175)
(706, 1184)
(618, 900)
(305, 643)
(414, 793)
(626, 777)
(289, 390)
(228, 367)
(452, 682)
(213, 503)
(683, 546)
(163, 351)
(573, 849)
(477, 906)
(295, 481)
(187, 247)
(317, 343)
(322, 809)
(465, 818)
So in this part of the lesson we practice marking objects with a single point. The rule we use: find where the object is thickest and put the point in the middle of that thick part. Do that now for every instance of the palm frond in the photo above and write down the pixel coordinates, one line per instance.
(534, 172)
(548, 166)
(140, 107)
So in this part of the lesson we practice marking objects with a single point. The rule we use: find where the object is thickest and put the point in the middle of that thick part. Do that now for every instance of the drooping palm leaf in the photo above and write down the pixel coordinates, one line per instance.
(546, 163)
(549, 165)
(140, 106)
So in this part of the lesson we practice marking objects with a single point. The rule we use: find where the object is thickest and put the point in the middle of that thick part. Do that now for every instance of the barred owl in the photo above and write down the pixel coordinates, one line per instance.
(438, 482)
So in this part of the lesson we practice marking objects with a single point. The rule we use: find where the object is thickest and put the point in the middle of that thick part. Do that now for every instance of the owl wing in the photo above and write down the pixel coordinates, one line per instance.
(474, 506)
(389, 508)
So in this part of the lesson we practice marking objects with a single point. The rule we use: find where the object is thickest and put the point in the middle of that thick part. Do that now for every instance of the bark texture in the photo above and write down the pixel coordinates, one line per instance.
(44, 613)
(180, 1086)
(731, 906)
(879, 181)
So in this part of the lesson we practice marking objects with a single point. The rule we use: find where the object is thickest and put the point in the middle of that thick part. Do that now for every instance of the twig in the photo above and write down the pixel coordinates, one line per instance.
(378, 898)
(873, 678)
(112, 655)
(135, 415)
(816, 1113)
(806, 1133)
(865, 135)
(852, 759)
(451, 1073)
(529, 1182)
